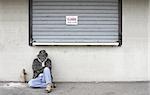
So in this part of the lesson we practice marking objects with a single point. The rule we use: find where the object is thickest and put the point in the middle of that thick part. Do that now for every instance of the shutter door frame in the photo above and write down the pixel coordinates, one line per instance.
(118, 43)
(120, 22)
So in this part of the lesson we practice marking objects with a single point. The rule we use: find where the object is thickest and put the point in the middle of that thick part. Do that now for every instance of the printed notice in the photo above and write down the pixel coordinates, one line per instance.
(71, 20)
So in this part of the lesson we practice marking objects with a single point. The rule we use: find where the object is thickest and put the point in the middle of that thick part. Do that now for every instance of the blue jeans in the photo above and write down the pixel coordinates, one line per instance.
(42, 80)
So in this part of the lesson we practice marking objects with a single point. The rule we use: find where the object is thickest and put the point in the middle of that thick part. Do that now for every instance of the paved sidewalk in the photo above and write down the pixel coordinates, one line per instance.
(135, 88)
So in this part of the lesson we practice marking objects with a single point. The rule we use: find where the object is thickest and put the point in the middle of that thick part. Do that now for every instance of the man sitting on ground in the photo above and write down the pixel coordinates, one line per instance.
(42, 75)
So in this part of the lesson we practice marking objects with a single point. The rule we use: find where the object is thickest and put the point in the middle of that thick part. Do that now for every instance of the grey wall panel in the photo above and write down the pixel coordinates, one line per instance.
(97, 21)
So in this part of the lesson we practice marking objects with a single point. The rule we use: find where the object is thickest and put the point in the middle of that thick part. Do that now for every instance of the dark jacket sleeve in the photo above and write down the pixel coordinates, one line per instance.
(37, 68)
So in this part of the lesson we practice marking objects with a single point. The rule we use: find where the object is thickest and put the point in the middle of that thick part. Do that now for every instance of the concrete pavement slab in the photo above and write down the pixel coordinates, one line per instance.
(116, 88)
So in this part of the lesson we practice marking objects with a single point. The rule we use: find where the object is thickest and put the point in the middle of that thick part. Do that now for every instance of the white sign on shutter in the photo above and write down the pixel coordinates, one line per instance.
(71, 20)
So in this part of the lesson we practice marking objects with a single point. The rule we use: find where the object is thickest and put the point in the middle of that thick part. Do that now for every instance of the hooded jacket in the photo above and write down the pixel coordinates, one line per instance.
(37, 67)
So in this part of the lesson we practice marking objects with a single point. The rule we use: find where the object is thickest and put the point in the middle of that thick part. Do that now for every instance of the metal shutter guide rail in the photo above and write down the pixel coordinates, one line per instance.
(81, 44)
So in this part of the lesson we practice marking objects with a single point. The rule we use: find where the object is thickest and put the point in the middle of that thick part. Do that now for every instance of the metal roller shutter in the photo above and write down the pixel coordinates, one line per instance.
(97, 21)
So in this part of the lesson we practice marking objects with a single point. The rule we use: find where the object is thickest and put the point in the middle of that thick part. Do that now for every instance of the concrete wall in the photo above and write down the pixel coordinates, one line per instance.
(76, 63)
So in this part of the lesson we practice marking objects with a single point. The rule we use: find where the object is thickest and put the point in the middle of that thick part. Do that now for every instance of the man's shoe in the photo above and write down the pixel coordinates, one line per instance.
(49, 88)
(53, 85)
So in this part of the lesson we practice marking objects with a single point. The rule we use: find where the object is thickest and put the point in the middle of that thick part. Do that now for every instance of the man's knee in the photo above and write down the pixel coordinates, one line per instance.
(46, 69)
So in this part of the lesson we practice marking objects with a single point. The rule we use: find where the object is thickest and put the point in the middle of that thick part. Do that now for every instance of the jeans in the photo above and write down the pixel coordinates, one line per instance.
(42, 80)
